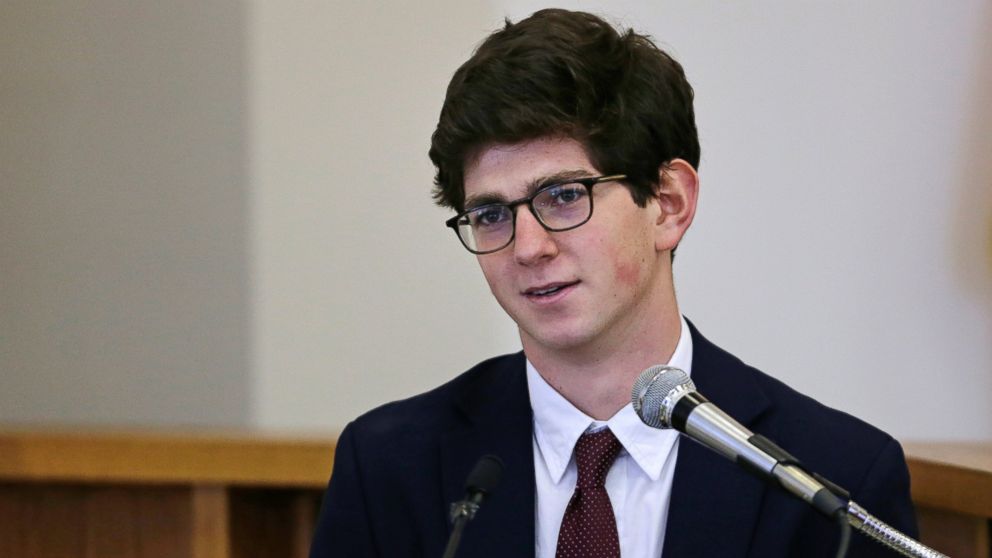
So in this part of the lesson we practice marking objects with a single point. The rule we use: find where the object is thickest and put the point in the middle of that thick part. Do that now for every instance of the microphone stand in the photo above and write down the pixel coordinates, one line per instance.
(461, 512)
(875, 529)
(480, 483)
(833, 501)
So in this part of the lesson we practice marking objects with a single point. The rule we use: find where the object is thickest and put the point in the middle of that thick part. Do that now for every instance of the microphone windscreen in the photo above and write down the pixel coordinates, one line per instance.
(651, 389)
(485, 475)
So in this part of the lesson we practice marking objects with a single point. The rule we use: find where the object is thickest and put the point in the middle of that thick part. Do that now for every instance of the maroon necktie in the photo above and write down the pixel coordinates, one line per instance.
(589, 529)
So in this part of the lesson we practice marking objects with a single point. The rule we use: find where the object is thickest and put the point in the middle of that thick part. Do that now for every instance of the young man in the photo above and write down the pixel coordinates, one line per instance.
(569, 153)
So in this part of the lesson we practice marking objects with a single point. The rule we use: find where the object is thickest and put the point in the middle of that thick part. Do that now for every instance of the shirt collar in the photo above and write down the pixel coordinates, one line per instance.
(558, 424)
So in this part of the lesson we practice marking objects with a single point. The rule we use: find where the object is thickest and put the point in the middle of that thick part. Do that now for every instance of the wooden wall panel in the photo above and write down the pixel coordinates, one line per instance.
(59, 521)
(954, 534)
(272, 523)
(210, 522)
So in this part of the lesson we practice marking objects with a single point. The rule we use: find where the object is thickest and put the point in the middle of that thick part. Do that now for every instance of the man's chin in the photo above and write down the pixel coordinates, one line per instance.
(558, 340)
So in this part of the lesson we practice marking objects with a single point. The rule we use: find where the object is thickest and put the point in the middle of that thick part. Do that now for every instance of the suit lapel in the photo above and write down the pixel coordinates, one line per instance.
(498, 421)
(715, 503)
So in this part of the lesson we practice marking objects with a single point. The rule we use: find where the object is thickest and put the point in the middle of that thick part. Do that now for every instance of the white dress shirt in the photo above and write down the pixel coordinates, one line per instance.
(639, 483)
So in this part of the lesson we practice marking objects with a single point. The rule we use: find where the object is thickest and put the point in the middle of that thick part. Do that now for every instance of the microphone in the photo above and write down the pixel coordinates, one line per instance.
(665, 397)
(485, 476)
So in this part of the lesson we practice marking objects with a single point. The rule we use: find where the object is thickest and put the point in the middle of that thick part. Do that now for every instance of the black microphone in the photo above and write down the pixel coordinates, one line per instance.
(480, 483)
(665, 397)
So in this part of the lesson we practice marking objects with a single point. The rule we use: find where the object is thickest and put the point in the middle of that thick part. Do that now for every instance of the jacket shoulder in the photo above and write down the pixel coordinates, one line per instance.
(794, 420)
(851, 453)
(429, 411)
(819, 433)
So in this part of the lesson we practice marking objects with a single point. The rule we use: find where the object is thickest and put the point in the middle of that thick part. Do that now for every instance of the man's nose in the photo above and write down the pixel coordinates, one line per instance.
(532, 243)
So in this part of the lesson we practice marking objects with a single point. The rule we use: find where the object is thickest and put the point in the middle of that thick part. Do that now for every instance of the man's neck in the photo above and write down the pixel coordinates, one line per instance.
(597, 378)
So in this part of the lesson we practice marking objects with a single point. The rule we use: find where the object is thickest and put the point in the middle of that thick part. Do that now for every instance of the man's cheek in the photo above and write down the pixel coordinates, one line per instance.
(627, 273)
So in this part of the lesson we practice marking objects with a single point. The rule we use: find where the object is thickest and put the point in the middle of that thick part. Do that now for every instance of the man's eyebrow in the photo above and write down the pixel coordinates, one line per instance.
(486, 198)
(561, 176)
(479, 200)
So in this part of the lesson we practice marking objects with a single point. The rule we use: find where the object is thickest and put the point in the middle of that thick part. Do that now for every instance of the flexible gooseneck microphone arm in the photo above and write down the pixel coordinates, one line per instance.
(665, 397)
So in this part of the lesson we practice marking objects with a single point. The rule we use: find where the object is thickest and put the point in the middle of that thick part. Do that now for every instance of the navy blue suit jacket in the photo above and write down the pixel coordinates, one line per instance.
(398, 467)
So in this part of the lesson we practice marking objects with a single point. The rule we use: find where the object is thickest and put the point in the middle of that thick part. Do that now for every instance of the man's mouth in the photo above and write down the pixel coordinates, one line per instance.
(549, 290)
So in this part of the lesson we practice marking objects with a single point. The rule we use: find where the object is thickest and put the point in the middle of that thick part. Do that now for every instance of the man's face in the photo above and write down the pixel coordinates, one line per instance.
(577, 289)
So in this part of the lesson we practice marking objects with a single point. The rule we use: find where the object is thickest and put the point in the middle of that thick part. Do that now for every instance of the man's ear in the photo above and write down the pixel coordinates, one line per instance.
(678, 189)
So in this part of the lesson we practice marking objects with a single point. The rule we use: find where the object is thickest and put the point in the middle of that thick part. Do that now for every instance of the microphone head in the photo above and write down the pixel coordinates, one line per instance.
(485, 475)
(655, 393)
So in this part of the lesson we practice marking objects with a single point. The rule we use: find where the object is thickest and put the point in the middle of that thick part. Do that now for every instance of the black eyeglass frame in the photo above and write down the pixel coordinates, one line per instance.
(587, 182)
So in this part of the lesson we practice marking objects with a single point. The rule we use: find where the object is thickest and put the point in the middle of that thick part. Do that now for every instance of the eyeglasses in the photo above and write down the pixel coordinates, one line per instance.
(557, 207)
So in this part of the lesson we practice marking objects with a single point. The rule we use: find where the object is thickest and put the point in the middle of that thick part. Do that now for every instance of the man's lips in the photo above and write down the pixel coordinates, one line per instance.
(549, 290)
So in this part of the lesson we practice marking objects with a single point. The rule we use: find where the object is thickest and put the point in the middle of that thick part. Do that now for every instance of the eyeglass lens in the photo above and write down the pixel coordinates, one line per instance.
(557, 207)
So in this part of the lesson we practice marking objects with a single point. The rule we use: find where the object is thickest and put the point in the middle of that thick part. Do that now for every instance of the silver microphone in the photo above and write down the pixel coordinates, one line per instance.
(665, 397)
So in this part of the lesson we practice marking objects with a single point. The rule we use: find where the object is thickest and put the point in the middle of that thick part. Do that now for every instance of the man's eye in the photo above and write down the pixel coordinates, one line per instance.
(565, 195)
(489, 216)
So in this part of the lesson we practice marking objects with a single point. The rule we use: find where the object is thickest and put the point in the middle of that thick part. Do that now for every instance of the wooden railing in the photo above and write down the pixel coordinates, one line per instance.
(231, 495)
(144, 495)
(952, 490)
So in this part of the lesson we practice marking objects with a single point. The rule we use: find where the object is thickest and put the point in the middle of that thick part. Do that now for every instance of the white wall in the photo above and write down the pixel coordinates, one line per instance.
(843, 242)
(123, 248)
(362, 296)
(844, 237)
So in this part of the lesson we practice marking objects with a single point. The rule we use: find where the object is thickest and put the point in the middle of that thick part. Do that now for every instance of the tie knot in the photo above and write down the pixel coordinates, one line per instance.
(594, 455)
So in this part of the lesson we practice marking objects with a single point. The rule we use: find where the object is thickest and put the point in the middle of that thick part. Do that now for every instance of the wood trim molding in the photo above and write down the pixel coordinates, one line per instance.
(149, 457)
(952, 476)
